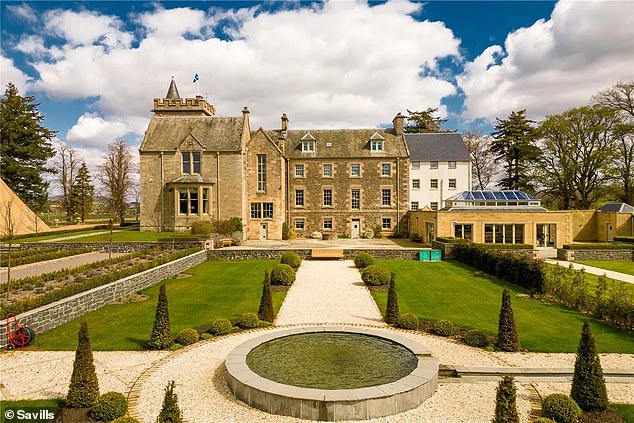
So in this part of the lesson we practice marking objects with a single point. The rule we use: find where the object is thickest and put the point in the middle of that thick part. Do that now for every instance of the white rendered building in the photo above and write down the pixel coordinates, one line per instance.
(440, 168)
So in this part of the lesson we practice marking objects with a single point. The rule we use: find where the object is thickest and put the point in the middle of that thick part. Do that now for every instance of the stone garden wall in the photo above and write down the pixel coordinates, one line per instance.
(55, 314)
(572, 255)
(253, 254)
(115, 247)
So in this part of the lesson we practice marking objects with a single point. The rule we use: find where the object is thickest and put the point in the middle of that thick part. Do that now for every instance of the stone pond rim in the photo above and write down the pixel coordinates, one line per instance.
(329, 405)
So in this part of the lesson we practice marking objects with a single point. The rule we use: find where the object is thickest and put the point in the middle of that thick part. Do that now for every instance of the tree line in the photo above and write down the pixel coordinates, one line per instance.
(26, 150)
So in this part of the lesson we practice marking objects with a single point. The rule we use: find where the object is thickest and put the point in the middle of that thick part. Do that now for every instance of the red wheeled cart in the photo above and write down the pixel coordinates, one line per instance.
(21, 335)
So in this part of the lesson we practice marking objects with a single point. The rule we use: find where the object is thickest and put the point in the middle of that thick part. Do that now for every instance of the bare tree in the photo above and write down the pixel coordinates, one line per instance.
(66, 165)
(620, 98)
(11, 222)
(483, 162)
(115, 174)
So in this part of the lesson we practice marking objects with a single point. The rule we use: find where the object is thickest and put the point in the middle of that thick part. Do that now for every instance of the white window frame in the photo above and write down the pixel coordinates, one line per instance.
(389, 223)
(328, 174)
(303, 224)
(301, 173)
(352, 173)
(388, 167)
(376, 145)
(308, 146)
(328, 219)
(324, 197)
(303, 197)
(261, 172)
(388, 197)
(352, 199)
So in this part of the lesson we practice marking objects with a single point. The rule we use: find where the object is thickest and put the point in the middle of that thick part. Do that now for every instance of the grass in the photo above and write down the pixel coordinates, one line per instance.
(470, 299)
(55, 236)
(127, 236)
(32, 404)
(216, 289)
(620, 266)
(626, 411)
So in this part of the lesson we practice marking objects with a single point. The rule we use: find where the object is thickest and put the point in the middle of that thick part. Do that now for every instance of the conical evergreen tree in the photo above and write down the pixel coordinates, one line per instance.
(266, 311)
(508, 339)
(588, 386)
(161, 335)
(505, 402)
(83, 192)
(392, 311)
(84, 386)
(170, 412)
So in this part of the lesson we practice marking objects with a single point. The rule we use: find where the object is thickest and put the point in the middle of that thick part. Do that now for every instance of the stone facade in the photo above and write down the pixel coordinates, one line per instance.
(572, 255)
(55, 314)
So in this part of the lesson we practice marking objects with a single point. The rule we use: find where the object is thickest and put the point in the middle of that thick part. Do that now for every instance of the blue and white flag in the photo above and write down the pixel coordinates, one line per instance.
(195, 78)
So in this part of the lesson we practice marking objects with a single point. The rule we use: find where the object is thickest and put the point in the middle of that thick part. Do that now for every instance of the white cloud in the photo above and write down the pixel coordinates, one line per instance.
(86, 28)
(555, 64)
(10, 73)
(343, 64)
(93, 131)
(23, 11)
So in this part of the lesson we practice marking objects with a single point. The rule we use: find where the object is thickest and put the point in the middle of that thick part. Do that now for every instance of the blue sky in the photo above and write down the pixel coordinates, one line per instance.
(96, 66)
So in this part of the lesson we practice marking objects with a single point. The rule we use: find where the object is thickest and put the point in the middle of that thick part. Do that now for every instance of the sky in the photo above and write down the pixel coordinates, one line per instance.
(95, 67)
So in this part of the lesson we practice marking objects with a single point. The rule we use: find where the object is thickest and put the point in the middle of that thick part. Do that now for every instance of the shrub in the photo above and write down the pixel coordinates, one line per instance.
(375, 275)
(202, 227)
(363, 260)
(187, 337)
(285, 231)
(282, 274)
(292, 259)
(109, 406)
(175, 347)
(392, 311)
(451, 240)
(508, 339)
(505, 402)
(84, 386)
(227, 226)
(170, 412)
(543, 420)
(476, 338)
(588, 385)
(126, 420)
(266, 311)
(444, 328)
(205, 336)
(161, 337)
(408, 321)
(249, 321)
(221, 327)
(561, 408)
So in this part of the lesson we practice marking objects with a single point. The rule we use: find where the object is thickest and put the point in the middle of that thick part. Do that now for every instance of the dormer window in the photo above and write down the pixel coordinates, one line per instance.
(308, 146)
(376, 145)
(191, 162)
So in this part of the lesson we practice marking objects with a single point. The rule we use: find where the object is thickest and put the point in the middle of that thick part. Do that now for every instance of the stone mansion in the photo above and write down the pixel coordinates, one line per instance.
(198, 166)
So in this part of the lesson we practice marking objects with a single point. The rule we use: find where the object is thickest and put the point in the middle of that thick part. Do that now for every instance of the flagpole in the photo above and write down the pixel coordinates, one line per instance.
(197, 88)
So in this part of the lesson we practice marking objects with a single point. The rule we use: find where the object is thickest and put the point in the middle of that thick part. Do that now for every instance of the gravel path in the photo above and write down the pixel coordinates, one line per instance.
(329, 292)
(34, 269)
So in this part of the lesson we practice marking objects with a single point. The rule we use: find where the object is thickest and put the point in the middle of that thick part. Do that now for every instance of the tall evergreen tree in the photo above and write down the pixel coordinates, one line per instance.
(514, 146)
(161, 337)
(84, 386)
(425, 121)
(83, 192)
(266, 311)
(25, 146)
(170, 412)
(588, 386)
(505, 402)
(392, 311)
(508, 339)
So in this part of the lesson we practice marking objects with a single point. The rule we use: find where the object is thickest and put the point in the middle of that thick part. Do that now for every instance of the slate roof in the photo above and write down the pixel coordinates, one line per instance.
(617, 207)
(212, 132)
(436, 147)
(342, 143)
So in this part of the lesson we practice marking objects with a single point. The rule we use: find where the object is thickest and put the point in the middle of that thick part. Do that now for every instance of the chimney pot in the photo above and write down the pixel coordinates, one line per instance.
(284, 123)
(398, 123)
(245, 110)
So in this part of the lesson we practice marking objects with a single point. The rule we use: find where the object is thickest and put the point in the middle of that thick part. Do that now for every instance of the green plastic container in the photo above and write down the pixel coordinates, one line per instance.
(424, 255)
(436, 255)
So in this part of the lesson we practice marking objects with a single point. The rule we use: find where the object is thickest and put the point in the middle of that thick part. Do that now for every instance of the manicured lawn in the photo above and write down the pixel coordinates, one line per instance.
(125, 236)
(470, 299)
(621, 266)
(216, 289)
(626, 411)
(55, 236)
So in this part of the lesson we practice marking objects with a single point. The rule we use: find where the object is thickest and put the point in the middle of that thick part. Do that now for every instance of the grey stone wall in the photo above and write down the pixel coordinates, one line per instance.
(227, 254)
(572, 255)
(55, 314)
(116, 247)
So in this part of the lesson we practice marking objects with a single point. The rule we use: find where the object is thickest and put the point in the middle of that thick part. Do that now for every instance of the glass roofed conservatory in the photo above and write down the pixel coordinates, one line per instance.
(477, 199)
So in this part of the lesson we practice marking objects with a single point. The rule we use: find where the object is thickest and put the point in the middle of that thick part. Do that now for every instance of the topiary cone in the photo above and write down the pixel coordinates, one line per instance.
(588, 386)
(170, 412)
(161, 337)
(505, 402)
(392, 311)
(84, 386)
(266, 311)
(508, 338)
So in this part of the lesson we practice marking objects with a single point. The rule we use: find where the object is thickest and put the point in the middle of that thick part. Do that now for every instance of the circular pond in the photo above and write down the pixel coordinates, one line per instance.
(332, 373)
(332, 360)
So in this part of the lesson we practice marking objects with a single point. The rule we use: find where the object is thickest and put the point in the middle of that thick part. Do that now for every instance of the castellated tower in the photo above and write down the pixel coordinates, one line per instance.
(174, 105)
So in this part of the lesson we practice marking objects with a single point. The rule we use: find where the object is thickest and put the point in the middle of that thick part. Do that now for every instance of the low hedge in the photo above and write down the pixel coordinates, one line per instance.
(561, 408)
(450, 240)
(17, 253)
(282, 274)
(629, 239)
(476, 338)
(599, 246)
(221, 327)
(408, 321)
(363, 260)
(375, 275)
(21, 306)
(444, 328)
(109, 406)
(187, 336)
(507, 246)
(519, 270)
(42, 256)
(292, 259)
(249, 321)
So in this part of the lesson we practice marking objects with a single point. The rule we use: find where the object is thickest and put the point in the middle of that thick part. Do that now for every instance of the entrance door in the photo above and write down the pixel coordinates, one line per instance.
(264, 231)
(546, 235)
(609, 233)
(356, 228)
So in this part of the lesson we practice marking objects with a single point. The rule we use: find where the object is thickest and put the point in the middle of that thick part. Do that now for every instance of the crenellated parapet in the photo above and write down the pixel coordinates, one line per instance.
(183, 106)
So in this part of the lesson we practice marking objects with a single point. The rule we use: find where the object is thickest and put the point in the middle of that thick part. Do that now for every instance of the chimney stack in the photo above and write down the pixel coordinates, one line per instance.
(398, 123)
(284, 123)
(245, 111)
